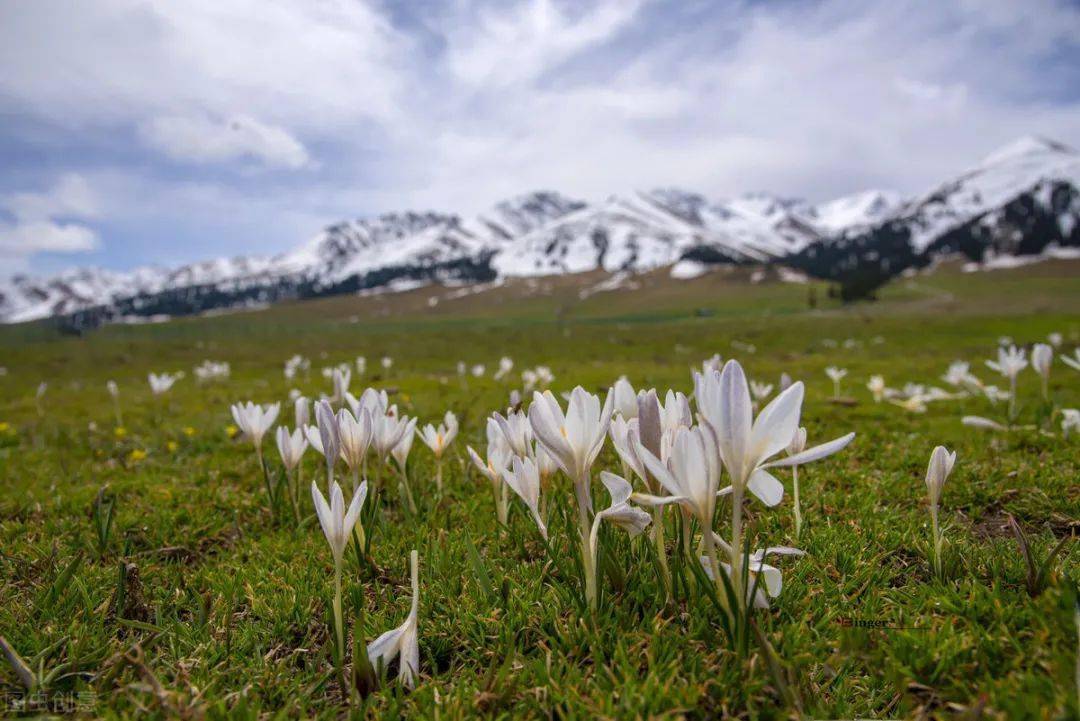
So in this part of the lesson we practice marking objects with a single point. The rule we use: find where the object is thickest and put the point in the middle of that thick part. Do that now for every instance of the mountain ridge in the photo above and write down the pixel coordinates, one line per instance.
(1019, 200)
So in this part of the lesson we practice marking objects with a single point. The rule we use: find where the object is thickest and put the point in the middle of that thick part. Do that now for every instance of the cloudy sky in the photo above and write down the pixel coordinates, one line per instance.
(136, 132)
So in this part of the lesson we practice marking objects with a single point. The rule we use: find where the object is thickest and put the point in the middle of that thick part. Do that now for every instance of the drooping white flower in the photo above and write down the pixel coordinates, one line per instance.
(768, 579)
(255, 420)
(980, 422)
(162, 382)
(291, 446)
(631, 519)
(401, 643)
(523, 477)
(625, 399)
(337, 522)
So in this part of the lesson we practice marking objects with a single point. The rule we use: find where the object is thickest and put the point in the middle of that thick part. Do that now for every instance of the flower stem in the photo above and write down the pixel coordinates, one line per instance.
(937, 540)
(736, 545)
(339, 623)
(798, 510)
(438, 475)
(661, 551)
(581, 486)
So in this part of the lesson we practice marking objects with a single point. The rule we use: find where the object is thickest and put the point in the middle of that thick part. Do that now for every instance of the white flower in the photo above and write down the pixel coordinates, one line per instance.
(547, 465)
(387, 362)
(498, 453)
(113, 389)
(478, 370)
(1070, 421)
(355, 433)
(629, 518)
(937, 472)
(980, 422)
(518, 432)
(291, 446)
(387, 430)
(337, 523)
(341, 377)
(798, 442)
(876, 386)
(160, 383)
(314, 439)
(1055, 339)
(1005, 340)
(524, 479)
(302, 411)
(439, 439)
(1010, 362)
(1042, 356)
(255, 420)
(401, 641)
(575, 438)
(690, 473)
(528, 379)
(1072, 361)
(626, 402)
(329, 435)
(361, 365)
(760, 391)
(623, 434)
(714, 363)
(746, 444)
(771, 580)
(461, 368)
(401, 449)
(911, 404)
(505, 366)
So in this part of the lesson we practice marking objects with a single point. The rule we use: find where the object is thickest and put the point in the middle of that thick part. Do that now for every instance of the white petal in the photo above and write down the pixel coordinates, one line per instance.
(765, 486)
(813, 454)
(777, 424)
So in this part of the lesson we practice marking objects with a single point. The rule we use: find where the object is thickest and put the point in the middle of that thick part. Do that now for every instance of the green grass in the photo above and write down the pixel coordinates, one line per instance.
(231, 610)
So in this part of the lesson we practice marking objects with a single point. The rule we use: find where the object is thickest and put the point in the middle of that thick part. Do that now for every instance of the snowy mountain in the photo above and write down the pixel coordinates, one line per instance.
(1019, 200)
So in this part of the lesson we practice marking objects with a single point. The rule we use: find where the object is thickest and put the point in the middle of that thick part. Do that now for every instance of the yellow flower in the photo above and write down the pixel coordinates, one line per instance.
(172, 446)
(231, 430)
(5, 427)
(120, 431)
(137, 454)
(189, 431)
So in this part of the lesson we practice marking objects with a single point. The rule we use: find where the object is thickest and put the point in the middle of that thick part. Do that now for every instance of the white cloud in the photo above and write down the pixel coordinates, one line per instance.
(205, 141)
(457, 104)
(39, 222)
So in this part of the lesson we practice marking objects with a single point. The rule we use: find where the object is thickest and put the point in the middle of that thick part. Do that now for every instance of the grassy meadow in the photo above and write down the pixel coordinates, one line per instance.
(197, 602)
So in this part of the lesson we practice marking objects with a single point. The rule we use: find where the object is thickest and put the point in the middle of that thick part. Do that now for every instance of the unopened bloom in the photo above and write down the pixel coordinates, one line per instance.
(401, 642)
(625, 399)
(937, 472)
(355, 433)
(523, 477)
(302, 411)
(329, 435)
(291, 446)
(255, 420)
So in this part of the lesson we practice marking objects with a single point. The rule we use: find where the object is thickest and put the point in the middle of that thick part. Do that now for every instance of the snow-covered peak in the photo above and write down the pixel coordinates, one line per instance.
(855, 210)
(1027, 146)
(525, 213)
